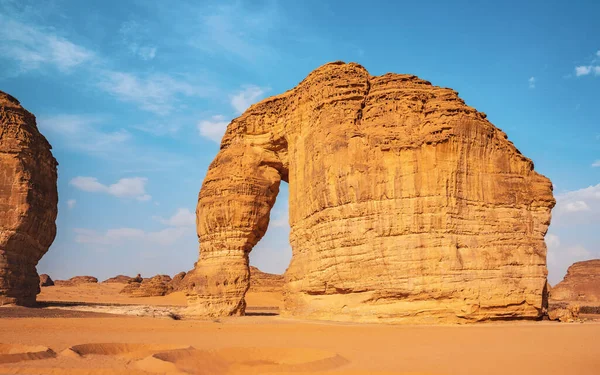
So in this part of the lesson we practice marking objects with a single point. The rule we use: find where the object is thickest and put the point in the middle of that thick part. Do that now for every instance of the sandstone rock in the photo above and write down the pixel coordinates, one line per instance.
(564, 312)
(77, 280)
(581, 284)
(265, 282)
(119, 279)
(45, 280)
(177, 283)
(158, 285)
(405, 205)
(28, 202)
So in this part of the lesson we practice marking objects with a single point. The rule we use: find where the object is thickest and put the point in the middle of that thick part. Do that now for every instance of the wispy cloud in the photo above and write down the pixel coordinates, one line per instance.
(83, 133)
(134, 187)
(531, 82)
(182, 218)
(34, 48)
(71, 203)
(244, 98)
(135, 37)
(155, 93)
(214, 128)
(596, 163)
(236, 30)
(582, 204)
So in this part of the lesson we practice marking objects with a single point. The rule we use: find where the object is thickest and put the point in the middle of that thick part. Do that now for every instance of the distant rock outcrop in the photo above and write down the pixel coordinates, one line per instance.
(28, 202)
(578, 292)
(156, 286)
(265, 282)
(45, 280)
(405, 205)
(581, 284)
(119, 279)
(76, 280)
(177, 281)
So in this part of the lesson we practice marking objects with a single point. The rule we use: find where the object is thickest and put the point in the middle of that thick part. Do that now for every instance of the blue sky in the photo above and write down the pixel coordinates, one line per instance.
(135, 95)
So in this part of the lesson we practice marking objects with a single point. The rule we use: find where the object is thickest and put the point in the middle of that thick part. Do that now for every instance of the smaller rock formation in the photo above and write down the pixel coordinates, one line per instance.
(581, 284)
(265, 282)
(77, 280)
(119, 279)
(156, 286)
(578, 292)
(46, 280)
(177, 281)
(564, 312)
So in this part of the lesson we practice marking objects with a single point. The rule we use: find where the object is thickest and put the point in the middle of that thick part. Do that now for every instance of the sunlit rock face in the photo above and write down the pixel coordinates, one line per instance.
(28, 202)
(406, 205)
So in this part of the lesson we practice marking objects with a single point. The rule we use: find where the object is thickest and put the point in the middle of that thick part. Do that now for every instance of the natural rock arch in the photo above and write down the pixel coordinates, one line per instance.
(405, 205)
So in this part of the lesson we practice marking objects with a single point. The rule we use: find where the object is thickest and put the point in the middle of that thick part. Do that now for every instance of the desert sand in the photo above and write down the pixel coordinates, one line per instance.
(57, 341)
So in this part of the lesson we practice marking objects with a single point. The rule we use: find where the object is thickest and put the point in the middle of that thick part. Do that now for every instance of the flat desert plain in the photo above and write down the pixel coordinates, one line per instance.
(73, 334)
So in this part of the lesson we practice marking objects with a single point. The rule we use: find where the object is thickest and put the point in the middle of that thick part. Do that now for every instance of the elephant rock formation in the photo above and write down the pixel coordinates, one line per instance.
(28, 202)
(405, 205)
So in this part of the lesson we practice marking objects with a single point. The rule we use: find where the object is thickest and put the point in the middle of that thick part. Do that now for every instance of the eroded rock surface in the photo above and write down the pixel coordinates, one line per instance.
(77, 280)
(265, 282)
(119, 279)
(28, 202)
(581, 284)
(158, 285)
(405, 205)
(578, 292)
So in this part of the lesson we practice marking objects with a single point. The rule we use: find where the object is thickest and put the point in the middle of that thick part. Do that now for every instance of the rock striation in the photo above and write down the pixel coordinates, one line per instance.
(581, 284)
(578, 292)
(265, 282)
(405, 205)
(28, 202)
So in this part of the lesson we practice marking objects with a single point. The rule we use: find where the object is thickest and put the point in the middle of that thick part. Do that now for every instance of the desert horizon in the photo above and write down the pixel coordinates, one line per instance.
(283, 187)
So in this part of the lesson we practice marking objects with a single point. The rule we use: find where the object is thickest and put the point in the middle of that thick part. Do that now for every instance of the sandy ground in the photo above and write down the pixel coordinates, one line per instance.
(45, 341)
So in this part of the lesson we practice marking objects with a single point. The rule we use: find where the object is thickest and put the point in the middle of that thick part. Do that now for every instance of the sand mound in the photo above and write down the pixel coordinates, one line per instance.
(132, 351)
(18, 353)
(242, 361)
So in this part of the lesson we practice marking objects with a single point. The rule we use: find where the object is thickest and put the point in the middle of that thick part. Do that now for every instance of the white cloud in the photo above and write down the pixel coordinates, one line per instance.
(120, 236)
(580, 206)
(531, 82)
(33, 48)
(596, 163)
(582, 70)
(182, 218)
(214, 128)
(576, 206)
(246, 97)
(134, 187)
(71, 203)
(155, 93)
(586, 70)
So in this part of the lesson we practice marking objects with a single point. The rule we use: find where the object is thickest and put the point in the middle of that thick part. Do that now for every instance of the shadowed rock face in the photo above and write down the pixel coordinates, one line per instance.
(28, 202)
(406, 205)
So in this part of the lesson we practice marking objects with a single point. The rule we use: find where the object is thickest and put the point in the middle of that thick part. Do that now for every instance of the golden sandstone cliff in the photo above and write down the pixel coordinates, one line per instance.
(406, 205)
(28, 202)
